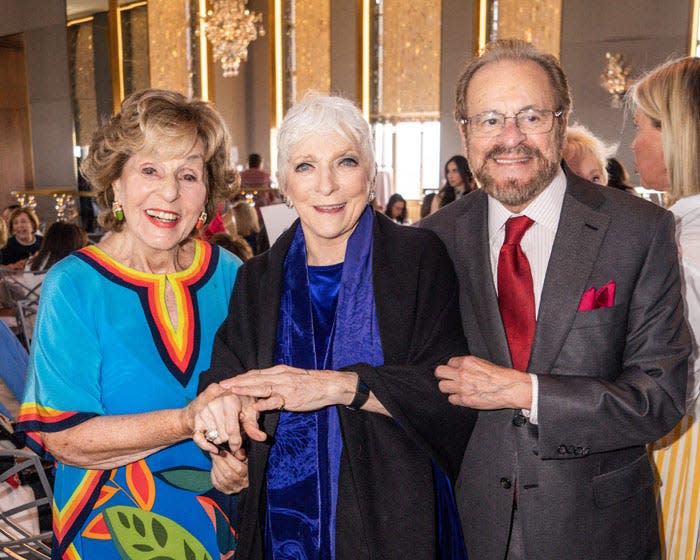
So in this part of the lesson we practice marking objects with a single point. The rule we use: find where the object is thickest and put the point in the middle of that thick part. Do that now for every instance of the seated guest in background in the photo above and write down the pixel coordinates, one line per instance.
(667, 157)
(60, 240)
(334, 332)
(255, 177)
(5, 300)
(396, 209)
(247, 223)
(5, 214)
(459, 176)
(426, 204)
(586, 154)
(268, 198)
(24, 240)
(618, 177)
(124, 329)
(258, 180)
(233, 244)
(444, 196)
(4, 234)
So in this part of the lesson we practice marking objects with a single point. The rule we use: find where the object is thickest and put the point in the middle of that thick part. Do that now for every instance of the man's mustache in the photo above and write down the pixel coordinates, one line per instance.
(522, 150)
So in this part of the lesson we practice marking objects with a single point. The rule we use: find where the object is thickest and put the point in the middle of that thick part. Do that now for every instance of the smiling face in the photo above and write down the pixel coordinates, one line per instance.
(23, 228)
(327, 182)
(162, 197)
(512, 167)
(649, 153)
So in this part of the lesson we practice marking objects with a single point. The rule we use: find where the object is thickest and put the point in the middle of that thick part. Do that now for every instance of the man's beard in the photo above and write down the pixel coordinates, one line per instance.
(515, 192)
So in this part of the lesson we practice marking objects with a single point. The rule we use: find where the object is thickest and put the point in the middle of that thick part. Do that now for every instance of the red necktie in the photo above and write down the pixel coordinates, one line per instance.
(516, 297)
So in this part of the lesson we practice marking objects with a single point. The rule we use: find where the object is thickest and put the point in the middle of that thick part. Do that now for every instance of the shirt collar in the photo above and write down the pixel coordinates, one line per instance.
(544, 210)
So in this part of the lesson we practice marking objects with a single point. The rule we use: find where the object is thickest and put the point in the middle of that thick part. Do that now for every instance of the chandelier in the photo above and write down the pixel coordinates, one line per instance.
(231, 27)
(615, 78)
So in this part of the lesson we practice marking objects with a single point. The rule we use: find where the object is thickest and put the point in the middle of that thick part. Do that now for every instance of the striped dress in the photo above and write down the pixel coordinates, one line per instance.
(677, 455)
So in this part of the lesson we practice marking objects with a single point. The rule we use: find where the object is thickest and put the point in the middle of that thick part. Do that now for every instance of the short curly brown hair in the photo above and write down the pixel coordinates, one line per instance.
(156, 118)
(27, 211)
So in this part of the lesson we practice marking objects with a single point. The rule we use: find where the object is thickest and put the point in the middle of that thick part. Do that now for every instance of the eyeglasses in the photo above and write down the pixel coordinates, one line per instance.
(528, 121)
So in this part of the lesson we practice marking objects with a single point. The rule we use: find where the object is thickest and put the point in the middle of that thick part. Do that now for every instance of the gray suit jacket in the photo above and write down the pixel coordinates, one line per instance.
(610, 381)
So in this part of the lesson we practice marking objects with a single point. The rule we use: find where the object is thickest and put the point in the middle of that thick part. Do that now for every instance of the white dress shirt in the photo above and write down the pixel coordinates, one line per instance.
(687, 213)
(537, 245)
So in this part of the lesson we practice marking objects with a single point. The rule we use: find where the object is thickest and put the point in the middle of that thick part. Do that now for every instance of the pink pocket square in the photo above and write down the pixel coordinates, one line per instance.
(598, 299)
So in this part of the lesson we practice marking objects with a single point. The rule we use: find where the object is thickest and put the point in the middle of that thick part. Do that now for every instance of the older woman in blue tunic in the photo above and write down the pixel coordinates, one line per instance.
(334, 334)
(124, 328)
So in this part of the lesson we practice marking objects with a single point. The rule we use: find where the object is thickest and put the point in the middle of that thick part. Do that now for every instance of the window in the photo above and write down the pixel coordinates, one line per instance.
(411, 151)
(405, 118)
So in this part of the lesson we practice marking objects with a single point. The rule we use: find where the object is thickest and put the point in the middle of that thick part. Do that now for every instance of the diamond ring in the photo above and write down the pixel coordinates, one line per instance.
(211, 435)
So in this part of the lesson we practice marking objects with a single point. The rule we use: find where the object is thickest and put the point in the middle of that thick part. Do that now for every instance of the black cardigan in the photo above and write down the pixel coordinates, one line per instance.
(386, 502)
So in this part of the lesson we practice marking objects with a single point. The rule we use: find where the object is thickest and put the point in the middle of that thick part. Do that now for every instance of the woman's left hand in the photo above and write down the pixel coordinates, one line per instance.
(229, 471)
(298, 390)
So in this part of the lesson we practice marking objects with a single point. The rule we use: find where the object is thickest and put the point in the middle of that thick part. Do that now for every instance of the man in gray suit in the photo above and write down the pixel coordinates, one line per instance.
(571, 305)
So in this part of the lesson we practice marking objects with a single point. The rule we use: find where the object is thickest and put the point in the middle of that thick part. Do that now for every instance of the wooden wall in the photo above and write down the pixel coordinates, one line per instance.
(16, 170)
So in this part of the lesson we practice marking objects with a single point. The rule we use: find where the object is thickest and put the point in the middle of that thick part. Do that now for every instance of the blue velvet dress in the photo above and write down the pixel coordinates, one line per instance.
(304, 462)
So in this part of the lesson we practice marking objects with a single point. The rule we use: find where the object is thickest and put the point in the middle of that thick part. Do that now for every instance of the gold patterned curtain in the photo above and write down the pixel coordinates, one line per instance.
(134, 28)
(307, 48)
(536, 21)
(406, 61)
(169, 34)
(82, 80)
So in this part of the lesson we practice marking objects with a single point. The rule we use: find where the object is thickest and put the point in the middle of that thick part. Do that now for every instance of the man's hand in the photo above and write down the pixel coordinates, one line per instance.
(476, 383)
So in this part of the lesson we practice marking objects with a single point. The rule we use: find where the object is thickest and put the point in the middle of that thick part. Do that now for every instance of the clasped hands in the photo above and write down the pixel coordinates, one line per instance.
(228, 413)
(477, 383)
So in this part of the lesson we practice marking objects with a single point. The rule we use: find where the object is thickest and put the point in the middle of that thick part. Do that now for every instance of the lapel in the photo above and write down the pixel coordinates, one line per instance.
(472, 257)
(579, 237)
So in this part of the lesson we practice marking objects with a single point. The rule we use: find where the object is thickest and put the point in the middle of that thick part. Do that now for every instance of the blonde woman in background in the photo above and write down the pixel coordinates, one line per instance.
(3, 234)
(586, 154)
(667, 157)
(247, 224)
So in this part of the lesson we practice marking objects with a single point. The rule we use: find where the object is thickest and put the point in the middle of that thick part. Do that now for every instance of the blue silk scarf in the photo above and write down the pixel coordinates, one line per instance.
(304, 461)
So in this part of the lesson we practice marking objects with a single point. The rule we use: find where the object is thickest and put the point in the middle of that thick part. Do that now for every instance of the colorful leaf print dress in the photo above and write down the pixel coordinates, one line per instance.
(104, 344)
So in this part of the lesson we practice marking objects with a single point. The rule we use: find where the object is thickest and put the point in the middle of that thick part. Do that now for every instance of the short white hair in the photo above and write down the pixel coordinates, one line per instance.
(322, 114)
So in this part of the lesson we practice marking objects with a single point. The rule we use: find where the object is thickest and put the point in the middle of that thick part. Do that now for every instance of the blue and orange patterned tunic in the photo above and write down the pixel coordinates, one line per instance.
(104, 344)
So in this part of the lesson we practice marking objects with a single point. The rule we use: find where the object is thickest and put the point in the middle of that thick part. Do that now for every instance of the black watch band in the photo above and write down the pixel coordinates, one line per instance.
(361, 395)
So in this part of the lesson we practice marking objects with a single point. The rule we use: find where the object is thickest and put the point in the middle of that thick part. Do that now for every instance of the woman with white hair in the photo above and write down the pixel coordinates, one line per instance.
(332, 340)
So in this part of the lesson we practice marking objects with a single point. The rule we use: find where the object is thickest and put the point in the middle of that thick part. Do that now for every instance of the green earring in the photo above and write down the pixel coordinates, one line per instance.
(118, 211)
